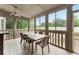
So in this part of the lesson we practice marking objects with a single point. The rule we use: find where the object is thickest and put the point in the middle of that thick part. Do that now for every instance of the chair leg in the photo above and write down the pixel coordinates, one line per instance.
(32, 48)
(21, 41)
(29, 48)
(42, 51)
(48, 48)
(36, 47)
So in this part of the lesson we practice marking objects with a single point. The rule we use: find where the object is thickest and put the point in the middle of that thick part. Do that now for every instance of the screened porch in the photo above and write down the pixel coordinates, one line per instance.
(59, 21)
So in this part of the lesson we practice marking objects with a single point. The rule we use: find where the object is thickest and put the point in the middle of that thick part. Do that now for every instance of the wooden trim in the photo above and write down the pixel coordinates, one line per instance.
(61, 40)
(14, 27)
(54, 31)
(28, 25)
(58, 39)
(46, 24)
(34, 24)
(55, 38)
(68, 42)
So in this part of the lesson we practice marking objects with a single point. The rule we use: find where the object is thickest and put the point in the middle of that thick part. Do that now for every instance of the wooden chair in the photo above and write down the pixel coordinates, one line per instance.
(29, 41)
(40, 32)
(43, 43)
(35, 32)
(22, 37)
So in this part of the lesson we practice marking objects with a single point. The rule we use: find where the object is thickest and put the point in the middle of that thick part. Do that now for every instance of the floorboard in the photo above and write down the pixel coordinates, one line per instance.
(13, 47)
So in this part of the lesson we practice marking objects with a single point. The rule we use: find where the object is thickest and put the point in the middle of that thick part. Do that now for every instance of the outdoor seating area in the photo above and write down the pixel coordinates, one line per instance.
(39, 29)
(13, 47)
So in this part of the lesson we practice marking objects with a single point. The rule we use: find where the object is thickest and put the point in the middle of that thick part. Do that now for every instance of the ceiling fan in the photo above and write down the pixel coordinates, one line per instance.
(14, 13)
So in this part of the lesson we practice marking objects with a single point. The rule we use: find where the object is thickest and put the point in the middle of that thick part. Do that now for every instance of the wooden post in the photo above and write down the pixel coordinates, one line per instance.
(28, 25)
(46, 24)
(14, 27)
(35, 25)
(69, 29)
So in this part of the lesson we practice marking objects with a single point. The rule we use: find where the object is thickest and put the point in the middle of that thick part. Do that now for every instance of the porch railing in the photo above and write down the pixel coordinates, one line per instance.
(57, 38)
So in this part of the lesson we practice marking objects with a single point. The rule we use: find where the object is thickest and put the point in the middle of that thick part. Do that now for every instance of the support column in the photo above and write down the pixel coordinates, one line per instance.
(14, 28)
(28, 25)
(35, 25)
(46, 24)
(69, 29)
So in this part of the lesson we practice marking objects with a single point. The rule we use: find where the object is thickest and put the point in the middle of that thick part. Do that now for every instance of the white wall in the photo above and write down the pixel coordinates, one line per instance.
(0, 24)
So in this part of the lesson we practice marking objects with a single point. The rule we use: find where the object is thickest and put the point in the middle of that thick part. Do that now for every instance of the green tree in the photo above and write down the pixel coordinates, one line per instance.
(22, 23)
(9, 23)
(32, 24)
(76, 21)
(42, 24)
(60, 22)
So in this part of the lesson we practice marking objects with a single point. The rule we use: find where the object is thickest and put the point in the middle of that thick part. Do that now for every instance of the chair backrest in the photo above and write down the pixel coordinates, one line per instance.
(40, 32)
(45, 41)
(35, 32)
(22, 36)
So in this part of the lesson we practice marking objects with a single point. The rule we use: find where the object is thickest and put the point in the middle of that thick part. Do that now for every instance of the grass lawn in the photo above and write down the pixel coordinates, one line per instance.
(76, 33)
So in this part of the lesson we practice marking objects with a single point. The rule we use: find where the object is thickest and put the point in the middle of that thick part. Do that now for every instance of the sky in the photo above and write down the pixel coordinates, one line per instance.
(51, 16)
(76, 7)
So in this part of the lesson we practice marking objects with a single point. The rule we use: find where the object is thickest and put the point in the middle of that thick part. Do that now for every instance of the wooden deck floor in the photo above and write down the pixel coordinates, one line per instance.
(13, 47)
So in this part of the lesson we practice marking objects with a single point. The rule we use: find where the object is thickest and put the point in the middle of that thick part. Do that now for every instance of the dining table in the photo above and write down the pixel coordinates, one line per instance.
(35, 37)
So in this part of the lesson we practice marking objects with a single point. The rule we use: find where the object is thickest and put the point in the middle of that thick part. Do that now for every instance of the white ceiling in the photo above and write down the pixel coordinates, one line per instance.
(28, 10)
